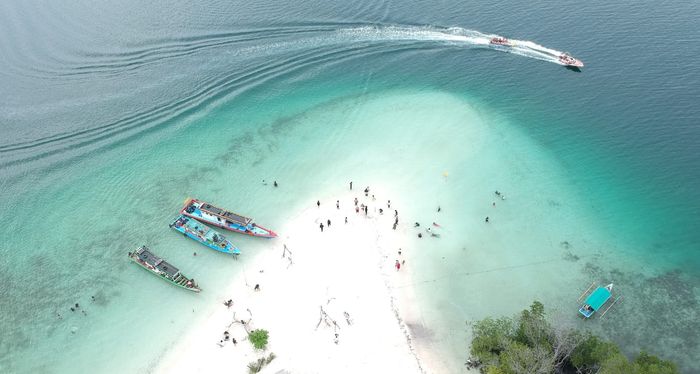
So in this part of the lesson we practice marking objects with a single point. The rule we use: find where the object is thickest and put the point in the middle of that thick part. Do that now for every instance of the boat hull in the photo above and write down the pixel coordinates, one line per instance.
(570, 62)
(596, 300)
(163, 277)
(251, 229)
(225, 245)
(503, 44)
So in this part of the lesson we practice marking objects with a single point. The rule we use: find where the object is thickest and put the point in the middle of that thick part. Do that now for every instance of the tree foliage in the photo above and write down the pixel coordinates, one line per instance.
(528, 343)
(258, 338)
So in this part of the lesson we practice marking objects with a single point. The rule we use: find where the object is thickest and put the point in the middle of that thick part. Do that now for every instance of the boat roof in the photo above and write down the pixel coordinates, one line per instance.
(233, 217)
(598, 298)
(148, 257)
(166, 268)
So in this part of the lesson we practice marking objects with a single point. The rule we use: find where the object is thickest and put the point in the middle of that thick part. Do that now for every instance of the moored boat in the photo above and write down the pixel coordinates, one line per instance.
(596, 300)
(566, 60)
(499, 40)
(212, 215)
(201, 233)
(157, 266)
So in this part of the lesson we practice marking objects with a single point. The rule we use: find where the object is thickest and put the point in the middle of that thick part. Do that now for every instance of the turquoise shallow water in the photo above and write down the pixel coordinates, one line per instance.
(111, 118)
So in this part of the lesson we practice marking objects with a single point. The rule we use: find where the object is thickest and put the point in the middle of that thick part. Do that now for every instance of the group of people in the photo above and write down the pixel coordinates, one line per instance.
(76, 307)
(498, 194)
(226, 338)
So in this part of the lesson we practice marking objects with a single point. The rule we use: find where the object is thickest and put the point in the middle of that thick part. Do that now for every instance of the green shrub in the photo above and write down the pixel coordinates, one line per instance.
(527, 343)
(616, 364)
(592, 352)
(256, 366)
(650, 364)
(491, 337)
(533, 329)
(258, 338)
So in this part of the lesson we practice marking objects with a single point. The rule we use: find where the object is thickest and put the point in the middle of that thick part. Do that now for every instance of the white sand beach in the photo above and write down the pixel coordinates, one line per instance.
(347, 271)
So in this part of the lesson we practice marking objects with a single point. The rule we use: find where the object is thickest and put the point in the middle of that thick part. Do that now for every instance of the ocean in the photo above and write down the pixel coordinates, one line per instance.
(113, 114)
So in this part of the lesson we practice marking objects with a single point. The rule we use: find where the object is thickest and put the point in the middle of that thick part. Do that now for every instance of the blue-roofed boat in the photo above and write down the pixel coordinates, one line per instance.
(596, 300)
(199, 232)
(212, 215)
(161, 268)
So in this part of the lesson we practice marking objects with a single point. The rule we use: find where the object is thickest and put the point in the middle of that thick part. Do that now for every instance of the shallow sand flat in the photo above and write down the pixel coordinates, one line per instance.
(346, 268)
(428, 148)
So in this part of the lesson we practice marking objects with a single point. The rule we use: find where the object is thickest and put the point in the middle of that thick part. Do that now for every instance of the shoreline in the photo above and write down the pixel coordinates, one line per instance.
(326, 298)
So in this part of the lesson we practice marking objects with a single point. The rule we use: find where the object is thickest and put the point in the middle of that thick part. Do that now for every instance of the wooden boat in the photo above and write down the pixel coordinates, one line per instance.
(156, 265)
(212, 215)
(596, 300)
(199, 232)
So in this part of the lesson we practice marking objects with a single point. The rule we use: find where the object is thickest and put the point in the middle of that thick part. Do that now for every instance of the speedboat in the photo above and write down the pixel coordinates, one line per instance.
(566, 60)
(499, 40)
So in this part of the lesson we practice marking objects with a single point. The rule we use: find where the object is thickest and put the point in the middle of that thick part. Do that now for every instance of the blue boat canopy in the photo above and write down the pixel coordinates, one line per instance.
(598, 298)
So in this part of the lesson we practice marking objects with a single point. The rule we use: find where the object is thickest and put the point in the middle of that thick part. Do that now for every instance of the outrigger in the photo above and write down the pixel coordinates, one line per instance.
(199, 232)
(156, 265)
(207, 213)
(596, 300)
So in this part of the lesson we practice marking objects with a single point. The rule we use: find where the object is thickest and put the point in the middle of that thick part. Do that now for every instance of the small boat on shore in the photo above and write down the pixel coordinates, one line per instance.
(596, 300)
(212, 215)
(201, 233)
(157, 266)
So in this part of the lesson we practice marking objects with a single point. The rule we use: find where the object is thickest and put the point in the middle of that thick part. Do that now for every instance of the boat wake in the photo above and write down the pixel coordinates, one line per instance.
(288, 39)
(453, 36)
(226, 63)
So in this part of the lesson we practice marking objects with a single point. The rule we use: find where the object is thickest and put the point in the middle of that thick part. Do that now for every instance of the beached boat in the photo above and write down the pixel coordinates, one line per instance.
(212, 215)
(201, 233)
(156, 265)
(596, 300)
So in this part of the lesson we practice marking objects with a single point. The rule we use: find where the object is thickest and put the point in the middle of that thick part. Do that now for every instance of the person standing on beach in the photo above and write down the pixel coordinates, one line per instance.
(318, 203)
(388, 204)
(337, 204)
(366, 209)
(356, 201)
(346, 219)
(397, 265)
(321, 226)
(329, 223)
(350, 185)
(366, 191)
